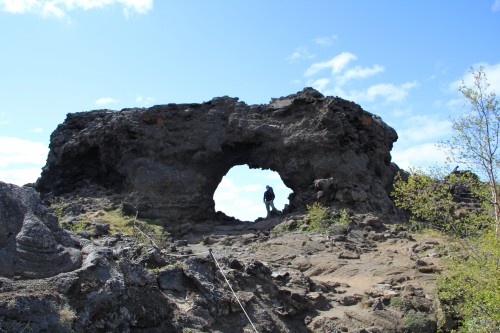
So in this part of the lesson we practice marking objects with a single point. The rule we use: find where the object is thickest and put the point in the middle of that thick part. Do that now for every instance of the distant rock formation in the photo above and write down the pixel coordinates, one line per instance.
(32, 244)
(168, 160)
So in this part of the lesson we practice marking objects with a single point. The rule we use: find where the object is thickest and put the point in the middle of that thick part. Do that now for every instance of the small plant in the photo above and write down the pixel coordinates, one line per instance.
(287, 226)
(401, 303)
(57, 207)
(318, 217)
(66, 317)
(415, 322)
(77, 226)
(343, 218)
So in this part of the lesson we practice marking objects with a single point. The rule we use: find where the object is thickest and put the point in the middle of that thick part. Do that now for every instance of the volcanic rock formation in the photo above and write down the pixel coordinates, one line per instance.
(168, 160)
(32, 244)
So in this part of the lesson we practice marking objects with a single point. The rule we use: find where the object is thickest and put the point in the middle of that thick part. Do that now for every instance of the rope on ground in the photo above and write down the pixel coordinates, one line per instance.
(187, 255)
(142, 232)
(234, 294)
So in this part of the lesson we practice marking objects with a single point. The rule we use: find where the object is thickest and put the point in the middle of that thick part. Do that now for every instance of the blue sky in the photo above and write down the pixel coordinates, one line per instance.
(401, 60)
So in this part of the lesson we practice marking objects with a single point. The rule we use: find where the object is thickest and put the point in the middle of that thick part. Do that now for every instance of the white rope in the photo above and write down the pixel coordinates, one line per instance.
(227, 281)
(142, 232)
(186, 255)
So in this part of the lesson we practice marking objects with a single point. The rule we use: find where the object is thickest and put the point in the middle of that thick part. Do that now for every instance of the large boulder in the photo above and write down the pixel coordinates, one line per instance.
(168, 160)
(32, 244)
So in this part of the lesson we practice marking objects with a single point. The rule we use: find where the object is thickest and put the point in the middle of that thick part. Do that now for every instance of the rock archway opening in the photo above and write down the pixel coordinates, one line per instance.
(240, 192)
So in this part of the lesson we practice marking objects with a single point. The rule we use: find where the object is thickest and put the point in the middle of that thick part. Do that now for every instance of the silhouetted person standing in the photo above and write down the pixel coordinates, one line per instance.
(269, 200)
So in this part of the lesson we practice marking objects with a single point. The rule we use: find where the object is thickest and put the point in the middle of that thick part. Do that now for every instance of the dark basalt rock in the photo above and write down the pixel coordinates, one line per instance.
(32, 245)
(168, 160)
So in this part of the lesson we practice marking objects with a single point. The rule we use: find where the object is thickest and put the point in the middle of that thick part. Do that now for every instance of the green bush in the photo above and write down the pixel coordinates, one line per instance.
(401, 303)
(418, 322)
(469, 288)
(318, 218)
(342, 218)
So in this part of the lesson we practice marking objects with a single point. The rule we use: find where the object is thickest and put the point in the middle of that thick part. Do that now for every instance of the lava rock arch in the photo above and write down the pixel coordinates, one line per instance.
(169, 159)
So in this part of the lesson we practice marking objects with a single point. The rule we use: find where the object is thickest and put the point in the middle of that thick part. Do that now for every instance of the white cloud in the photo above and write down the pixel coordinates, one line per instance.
(60, 8)
(425, 129)
(387, 91)
(320, 84)
(20, 176)
(492, 74)
(240, 192)
(496, 6)
(336, 64)
(18, 6)
(359, 73)
(300, 53)
(341, 74)
(424, 155)
(19, 151)
(21, 160)
(105, 100)
(37, 130)
(230, 199)
(326, 41)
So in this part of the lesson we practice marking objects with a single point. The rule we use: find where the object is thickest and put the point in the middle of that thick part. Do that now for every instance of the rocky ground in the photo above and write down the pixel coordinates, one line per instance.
(370, 275)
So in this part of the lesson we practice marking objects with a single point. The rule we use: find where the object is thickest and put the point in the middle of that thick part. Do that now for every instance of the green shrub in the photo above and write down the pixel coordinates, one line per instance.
(417, 322)
(287, 226)
(342, 218)
(318, 218)
(469, 287)
(401, 303)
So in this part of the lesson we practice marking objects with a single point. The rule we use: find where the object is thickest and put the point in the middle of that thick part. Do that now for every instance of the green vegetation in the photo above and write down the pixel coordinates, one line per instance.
(476, 137)
(416, 322)
(401, 303)
(143, 230)
(318, 219)
(430, 197)
(469, 287)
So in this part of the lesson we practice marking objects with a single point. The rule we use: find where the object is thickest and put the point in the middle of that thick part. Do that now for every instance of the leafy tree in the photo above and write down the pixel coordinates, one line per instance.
(469, 287)
(476, 133)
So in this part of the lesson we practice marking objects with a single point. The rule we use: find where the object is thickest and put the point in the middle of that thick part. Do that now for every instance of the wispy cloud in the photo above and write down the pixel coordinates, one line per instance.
(301, 53)
(336, 64)
(326, 41)
(60, 8)
(388, 92)
(359, 72)
(105, 100)
(342, 74)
